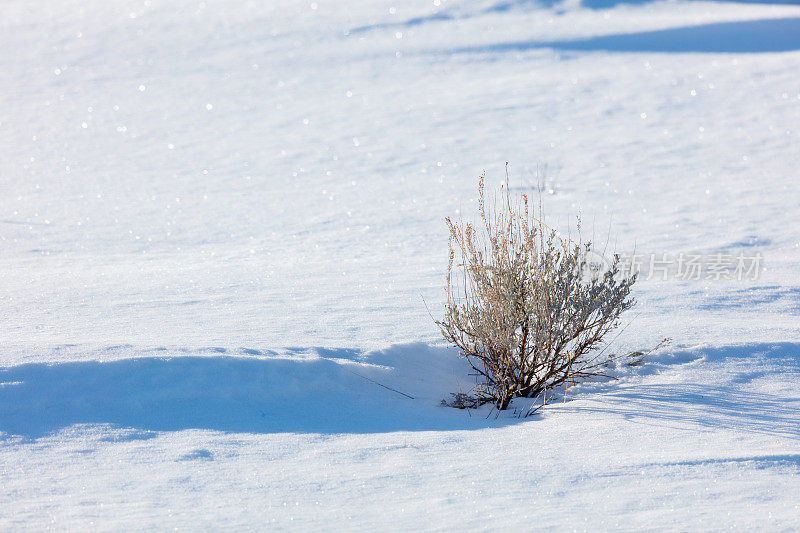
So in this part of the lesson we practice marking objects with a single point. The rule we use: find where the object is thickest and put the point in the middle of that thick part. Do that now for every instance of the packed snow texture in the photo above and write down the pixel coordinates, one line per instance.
(222, 241)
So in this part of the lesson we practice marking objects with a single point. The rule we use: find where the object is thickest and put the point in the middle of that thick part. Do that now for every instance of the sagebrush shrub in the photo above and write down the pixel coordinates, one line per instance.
(527, 311)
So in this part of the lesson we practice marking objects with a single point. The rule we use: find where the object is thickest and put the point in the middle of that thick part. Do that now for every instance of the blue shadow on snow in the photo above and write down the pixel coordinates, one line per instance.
(753, 36)
(608, 4)
(332, 394)
(223, 393)
(731, 404)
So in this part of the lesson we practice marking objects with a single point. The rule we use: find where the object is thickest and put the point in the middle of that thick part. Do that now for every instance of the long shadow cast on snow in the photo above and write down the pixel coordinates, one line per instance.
(607, 4)
(729, 405)
(511, 6)
(337, 391)
(706, 406)
(753, 36)
(326, 393)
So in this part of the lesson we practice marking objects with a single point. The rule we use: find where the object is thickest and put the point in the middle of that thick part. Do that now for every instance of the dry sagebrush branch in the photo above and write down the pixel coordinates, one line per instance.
(520, 306)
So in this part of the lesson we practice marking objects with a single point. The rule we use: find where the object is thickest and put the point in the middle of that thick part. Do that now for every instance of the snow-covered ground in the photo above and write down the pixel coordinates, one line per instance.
(221, 223)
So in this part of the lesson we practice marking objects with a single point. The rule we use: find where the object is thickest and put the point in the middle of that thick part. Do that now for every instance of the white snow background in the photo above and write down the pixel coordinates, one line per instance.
(222, 222)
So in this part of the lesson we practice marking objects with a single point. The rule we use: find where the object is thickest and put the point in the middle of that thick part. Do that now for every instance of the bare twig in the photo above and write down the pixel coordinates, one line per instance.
(378, 384)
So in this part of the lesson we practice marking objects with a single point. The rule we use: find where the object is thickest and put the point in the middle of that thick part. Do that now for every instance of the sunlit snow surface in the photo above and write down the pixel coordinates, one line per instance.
(221, 223)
